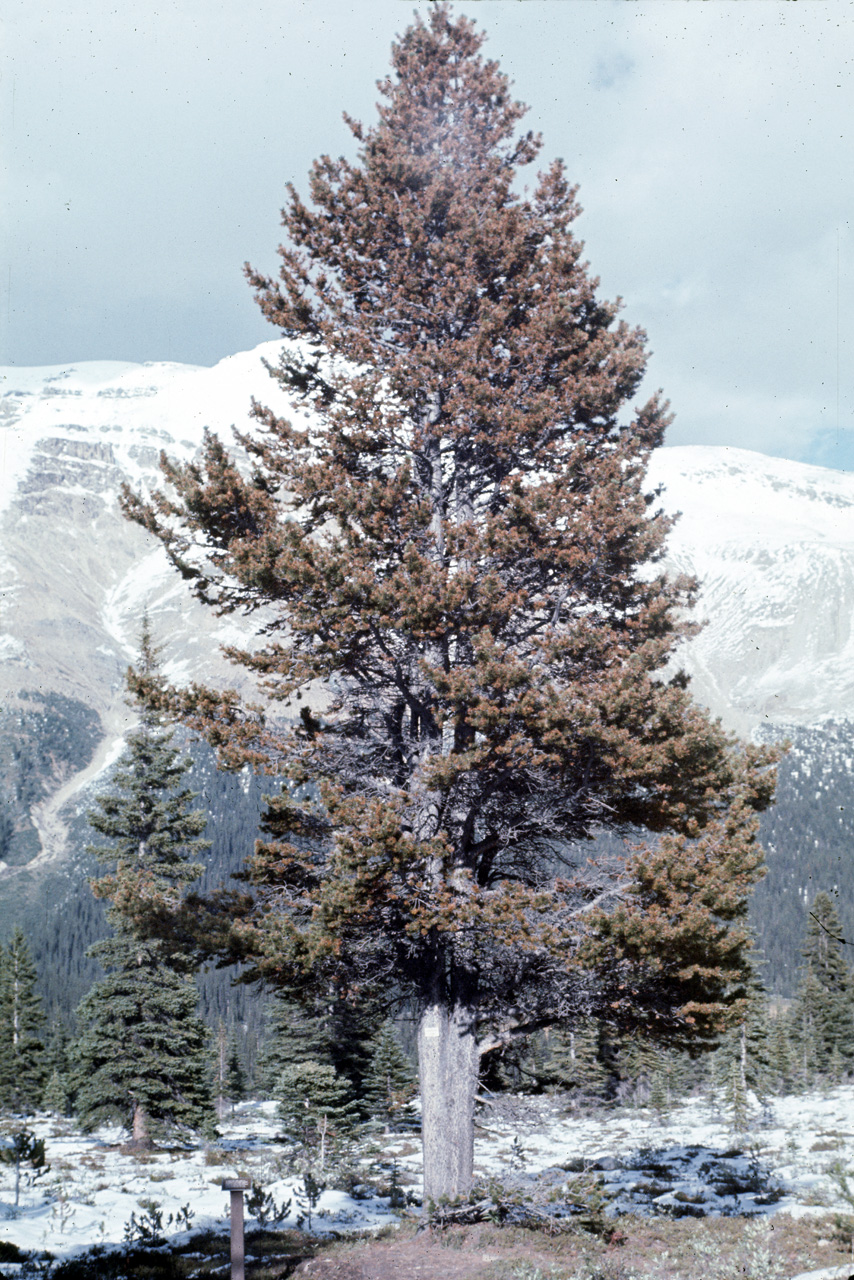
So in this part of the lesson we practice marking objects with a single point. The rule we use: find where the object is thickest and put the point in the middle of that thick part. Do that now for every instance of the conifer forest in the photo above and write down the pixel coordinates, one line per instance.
(474, 852)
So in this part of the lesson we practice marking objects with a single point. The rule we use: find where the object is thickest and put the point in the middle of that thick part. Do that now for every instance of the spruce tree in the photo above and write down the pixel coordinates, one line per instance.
(142, 1051)
(327, 1029)
(648, 1075)
(292, 1036)
(141, 1055)
(23, 1066)
(317, 1107)
(744, 1062)
(55, 1096)
(457, 542)
(735, 1095)
(57, 1050)
(804, 1030)
(389, 1079)
(575, 1061)
(57, 1091)
(782, 1066)
(229, 1074)
(823, 1012)
(235, 1073)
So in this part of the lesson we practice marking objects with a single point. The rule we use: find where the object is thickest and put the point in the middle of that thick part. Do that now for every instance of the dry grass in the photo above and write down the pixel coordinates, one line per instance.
(644, 1249)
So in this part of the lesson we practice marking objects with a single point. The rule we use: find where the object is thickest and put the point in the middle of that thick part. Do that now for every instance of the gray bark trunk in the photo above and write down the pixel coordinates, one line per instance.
(448, 1059)
(140, 1137)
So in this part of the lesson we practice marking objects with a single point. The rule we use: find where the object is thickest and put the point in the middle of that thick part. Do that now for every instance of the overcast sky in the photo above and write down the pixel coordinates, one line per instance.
(146, 147)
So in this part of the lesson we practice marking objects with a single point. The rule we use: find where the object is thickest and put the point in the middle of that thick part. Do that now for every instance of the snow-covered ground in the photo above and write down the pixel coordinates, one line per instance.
(687, 1163)
(690, 1162)
(94, 1186)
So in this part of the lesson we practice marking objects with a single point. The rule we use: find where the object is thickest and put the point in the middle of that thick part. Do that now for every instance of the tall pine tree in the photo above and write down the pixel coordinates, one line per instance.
(141, 1054)
(457, 542)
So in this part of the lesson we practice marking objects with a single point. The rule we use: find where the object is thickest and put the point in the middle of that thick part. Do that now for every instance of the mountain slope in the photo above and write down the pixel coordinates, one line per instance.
(771, 541)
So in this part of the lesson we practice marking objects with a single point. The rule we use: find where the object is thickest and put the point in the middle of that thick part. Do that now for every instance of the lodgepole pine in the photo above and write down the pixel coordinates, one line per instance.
(454, 540)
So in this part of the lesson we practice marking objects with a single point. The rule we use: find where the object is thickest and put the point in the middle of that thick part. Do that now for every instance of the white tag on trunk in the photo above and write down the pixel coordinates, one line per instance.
(431, 1033)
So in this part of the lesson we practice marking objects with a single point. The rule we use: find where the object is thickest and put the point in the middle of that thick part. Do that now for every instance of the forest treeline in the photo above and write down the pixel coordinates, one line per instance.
(74, 992)
(336, 1069)
(99, 1009)
(807, 835)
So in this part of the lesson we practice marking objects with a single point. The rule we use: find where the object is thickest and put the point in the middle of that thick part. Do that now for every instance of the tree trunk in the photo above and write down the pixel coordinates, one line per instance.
(448, 1066)
(140, 1137)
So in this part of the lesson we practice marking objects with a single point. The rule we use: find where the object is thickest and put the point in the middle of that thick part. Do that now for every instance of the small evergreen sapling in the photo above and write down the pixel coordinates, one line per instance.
(25, 1149)
(390, 1082)
(317, 1108)
(308, 1198)
(262, 1206)
(55, 1096)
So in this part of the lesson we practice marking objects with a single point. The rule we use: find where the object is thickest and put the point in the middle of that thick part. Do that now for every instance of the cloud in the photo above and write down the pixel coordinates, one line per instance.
(151, 147)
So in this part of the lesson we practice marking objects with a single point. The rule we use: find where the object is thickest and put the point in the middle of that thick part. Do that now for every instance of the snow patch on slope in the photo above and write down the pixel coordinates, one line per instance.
(772, 544)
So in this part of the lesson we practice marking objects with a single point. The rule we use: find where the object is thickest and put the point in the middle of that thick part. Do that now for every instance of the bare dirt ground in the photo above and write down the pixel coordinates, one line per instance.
(658, 1249)
(423, 1258)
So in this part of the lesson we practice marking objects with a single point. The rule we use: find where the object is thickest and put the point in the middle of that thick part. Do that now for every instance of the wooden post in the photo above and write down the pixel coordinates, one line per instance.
(236, 1186)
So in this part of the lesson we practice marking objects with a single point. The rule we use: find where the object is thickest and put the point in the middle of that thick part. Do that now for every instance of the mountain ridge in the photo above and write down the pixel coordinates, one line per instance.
(772, 542)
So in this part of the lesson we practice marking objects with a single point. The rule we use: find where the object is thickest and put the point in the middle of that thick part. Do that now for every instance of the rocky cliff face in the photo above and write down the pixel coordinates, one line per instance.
(772, 543)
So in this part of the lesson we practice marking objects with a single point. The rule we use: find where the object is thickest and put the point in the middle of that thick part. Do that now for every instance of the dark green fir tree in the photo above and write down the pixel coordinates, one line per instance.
(55, 1096)
(330, 1029)
(23, 1068)
(229, 1072)
(57, 1058)
(576, 1059)
(293, 1036)
(235, 1073)
(823, 1012)
(782, 1056)
(317, 1107)
(804, 1023)
(390, 1082)
(142, 1055)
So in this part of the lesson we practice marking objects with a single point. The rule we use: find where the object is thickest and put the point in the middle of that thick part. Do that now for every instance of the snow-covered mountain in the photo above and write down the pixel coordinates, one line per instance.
(75, 576)
(772, 542)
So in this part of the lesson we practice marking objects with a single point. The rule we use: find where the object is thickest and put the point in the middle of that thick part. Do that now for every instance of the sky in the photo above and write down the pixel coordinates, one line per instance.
(146, 145)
